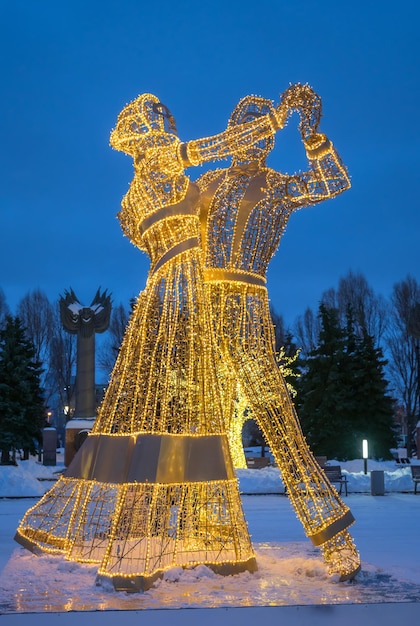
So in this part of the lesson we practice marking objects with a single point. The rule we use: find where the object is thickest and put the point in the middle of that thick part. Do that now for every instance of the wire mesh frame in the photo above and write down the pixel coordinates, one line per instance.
(170, 338)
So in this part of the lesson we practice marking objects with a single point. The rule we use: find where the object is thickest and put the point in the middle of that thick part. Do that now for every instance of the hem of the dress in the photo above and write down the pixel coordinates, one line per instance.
(138, 583)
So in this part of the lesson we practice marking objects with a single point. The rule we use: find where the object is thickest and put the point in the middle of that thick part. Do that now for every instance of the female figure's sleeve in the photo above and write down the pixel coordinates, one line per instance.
(231, 141)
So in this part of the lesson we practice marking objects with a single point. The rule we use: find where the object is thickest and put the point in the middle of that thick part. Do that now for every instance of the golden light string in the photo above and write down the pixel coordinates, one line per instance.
(165, 400)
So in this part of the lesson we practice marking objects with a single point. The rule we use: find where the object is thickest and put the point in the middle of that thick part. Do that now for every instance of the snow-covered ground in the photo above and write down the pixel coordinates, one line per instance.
(291, 572)
(31, 478)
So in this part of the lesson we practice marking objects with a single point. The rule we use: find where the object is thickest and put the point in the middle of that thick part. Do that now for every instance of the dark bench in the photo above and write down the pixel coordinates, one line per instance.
(415, 474)
(257, 462)
(334, 475)
(321, 460)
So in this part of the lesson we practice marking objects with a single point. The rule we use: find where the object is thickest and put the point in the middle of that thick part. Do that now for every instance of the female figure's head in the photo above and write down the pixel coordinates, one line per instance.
(140, 120)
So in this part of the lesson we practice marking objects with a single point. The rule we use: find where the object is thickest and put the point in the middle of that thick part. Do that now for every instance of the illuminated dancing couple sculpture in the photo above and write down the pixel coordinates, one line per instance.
(153, 486)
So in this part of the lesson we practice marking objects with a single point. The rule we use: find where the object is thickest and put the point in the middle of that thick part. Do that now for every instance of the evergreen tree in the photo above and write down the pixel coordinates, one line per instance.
(342, 396)
(375, 406)
(321, 394)
(22, 410)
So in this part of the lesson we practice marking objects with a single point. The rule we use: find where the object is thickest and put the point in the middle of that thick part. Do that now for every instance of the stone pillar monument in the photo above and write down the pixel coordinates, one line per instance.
(49, 446)
(84, 322)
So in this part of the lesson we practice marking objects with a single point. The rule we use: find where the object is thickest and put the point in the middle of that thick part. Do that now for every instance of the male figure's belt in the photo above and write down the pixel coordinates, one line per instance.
(217, 274)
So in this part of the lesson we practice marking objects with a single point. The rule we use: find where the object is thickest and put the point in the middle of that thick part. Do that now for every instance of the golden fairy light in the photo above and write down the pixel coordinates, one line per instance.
(242, 412)
(153, 486)
(244, 211)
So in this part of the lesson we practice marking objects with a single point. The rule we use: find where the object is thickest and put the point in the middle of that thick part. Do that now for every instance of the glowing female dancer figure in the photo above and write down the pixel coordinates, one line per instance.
(245, 209)
(153, 485)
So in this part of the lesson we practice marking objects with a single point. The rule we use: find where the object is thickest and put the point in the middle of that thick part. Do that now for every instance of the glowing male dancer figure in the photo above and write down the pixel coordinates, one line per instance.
(245, 209)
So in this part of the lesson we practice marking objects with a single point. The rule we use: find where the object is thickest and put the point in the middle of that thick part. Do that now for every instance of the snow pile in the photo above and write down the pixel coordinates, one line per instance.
(31, 478)
(21, 481)
(397, 478)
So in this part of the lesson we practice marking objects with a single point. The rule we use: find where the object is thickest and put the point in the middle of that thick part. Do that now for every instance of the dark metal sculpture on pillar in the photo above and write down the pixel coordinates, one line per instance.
(84, 322)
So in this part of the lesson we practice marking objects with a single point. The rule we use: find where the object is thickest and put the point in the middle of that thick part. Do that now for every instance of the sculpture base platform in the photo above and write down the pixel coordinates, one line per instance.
(77, 430)
(134, 584)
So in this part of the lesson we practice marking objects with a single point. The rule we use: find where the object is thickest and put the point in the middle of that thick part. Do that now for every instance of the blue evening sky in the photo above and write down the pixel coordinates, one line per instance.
(69, 67)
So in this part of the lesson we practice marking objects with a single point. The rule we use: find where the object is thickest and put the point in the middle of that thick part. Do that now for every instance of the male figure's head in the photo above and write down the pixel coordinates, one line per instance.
(245, 111)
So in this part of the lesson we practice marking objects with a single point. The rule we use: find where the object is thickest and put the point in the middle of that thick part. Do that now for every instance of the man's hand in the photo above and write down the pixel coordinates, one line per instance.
(304, 100)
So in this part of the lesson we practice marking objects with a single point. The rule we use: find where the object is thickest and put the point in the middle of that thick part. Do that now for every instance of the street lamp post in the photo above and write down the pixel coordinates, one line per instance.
(365, 454)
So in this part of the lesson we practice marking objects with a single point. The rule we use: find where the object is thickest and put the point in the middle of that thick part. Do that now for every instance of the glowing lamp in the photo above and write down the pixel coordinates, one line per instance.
(365, 454)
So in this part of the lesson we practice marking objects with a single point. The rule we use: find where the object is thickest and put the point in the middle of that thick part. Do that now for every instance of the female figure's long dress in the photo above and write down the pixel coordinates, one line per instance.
(153, 485)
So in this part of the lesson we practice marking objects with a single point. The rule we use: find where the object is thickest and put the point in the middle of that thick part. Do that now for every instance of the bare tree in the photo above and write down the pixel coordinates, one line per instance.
(329, 299)
(4, 309)
(306, 330)
(62, 363)
(403, 346)
(109, 349)
(37, 316)
(279, 328)
(369, 310)
(54, 348)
